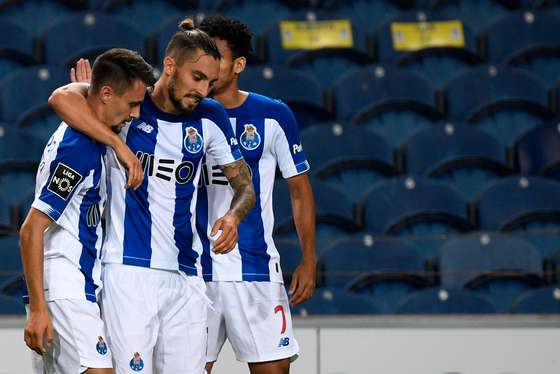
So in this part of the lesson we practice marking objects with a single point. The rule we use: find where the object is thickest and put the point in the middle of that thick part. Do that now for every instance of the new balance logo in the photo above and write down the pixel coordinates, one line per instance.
(145, 127)
(284, 342)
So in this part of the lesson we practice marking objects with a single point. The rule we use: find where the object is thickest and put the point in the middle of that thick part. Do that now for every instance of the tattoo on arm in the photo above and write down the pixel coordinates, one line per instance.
(238, 175)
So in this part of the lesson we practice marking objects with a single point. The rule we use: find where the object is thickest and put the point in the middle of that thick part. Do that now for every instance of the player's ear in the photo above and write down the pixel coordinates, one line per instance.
(168, 65)
(239, 65)
(106, 94)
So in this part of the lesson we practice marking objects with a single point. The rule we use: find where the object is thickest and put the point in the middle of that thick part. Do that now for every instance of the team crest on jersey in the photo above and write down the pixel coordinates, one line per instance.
(250, 139)
(137, 363)
(193, 141)
(101, 346)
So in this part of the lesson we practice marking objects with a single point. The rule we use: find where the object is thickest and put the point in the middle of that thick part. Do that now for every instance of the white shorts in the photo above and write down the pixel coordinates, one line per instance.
(255, 317)
(156, 320)
(79, 340)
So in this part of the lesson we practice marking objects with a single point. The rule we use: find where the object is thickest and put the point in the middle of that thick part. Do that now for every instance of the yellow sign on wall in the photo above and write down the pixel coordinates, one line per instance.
(316, 34)
(412, 36)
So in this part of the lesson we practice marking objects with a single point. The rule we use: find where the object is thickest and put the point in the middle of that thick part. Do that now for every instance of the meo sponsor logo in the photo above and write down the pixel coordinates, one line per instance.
(165, 168)
(284, 342)
(64, 180)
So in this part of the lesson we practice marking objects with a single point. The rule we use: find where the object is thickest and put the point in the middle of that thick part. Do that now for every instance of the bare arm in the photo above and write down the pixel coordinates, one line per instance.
(32, 255)
(237, 173)
(303, 208)
(70, 103)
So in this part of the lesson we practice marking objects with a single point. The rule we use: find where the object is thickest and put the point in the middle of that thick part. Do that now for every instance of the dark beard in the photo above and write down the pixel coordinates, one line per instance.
(175, 100)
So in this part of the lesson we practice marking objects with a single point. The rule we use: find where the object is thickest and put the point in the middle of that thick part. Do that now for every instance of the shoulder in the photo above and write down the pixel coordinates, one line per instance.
(76, 145)
(209, 106)
(269, 106)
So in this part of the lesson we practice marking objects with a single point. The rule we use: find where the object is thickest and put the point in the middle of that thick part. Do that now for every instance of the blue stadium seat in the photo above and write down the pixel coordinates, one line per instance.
(536, 45)
(555, 259)
(502, 101)
(24, 95)
(386, 270)
(515, 202)
(16, 48)
(10, 258)
(478, 14)
(26, 90)
(537, 152)
(349, 158)
(325, 64)
(11, 306)
(301, 92)
(17, 182)
(499, 266)
(92, 34)
(16, 145)
(5, 216)
(290, 255)
(541, 301)
(259, 15)
(367, 14)
(147, 13)
(36, 15)
(460, 154)
(334, 212)
(391, 102)
(413, 205)
(440, 64)
(442, 301)
(527, 206)
(335, 302)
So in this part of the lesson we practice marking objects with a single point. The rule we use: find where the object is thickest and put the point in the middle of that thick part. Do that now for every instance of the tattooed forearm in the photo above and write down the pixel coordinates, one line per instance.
(237, 173)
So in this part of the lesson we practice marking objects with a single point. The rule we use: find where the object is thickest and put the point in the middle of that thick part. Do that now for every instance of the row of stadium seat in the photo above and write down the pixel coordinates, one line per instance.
(453, 147)
(430, 301)
(494, 267)
(420, 207)
(505, 102)
(149, 12)
(535, 47)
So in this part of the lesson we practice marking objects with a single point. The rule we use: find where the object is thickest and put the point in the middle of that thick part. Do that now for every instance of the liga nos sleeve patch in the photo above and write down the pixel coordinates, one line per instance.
(64, 180)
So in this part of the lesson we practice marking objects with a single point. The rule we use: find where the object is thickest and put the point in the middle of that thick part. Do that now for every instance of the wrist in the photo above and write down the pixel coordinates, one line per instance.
(38, 307)
(235, 216)
(115, 142)
(309, 260)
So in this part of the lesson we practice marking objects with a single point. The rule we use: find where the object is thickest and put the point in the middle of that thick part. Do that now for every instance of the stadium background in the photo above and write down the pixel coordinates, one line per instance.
(433, 135)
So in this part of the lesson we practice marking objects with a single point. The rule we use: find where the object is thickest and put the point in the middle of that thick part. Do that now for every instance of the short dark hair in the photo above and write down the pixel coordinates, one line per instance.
(236, 33)
(187, 40)
(119, 68)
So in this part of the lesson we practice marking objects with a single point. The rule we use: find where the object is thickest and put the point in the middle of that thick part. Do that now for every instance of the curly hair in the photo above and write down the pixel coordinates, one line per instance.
(236, 33)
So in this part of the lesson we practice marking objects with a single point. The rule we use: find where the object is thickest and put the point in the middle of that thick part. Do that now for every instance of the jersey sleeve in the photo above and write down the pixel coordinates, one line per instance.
(222, 144)
(65, 164)
(287, 145)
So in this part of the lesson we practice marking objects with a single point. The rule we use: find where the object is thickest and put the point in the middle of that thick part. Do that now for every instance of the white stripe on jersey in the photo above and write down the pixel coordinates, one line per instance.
(255, 258)
(75, 203)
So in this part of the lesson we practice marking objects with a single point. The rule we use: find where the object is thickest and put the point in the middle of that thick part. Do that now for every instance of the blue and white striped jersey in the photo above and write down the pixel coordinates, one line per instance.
(267, 133)
(71, 189)
(153, 226)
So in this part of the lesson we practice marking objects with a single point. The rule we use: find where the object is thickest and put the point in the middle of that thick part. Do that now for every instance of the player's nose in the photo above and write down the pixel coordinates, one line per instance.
(135, 112)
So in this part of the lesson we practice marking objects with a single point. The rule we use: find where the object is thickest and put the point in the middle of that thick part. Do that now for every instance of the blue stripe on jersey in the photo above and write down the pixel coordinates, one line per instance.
(137, 248)
(202, 226)
(252, 245)
(66, 153)
(88, 234)
(182, 215)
